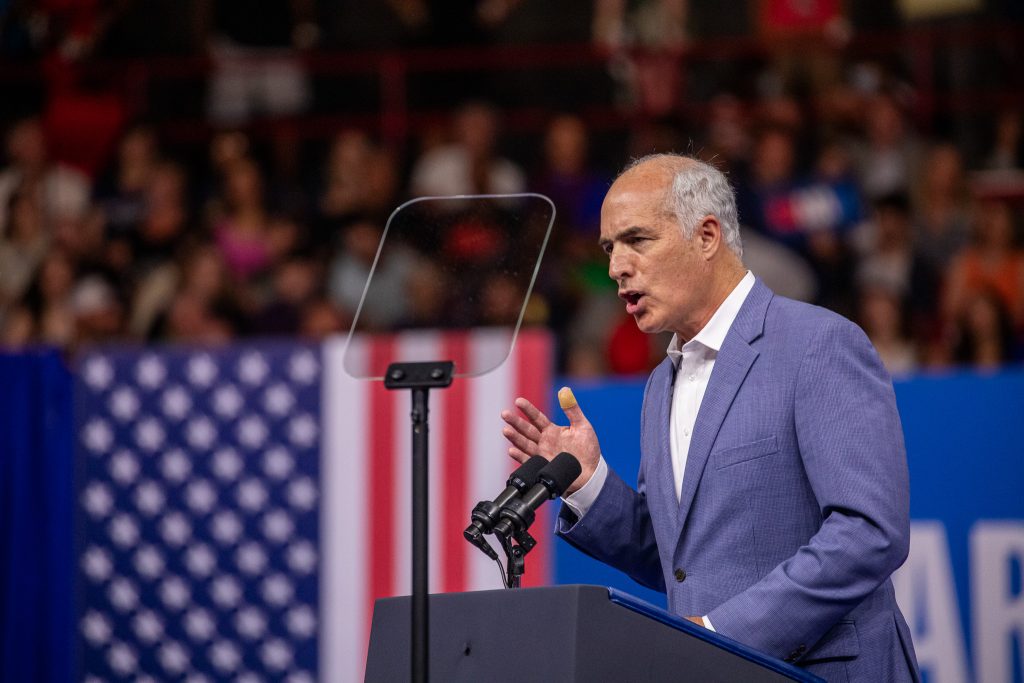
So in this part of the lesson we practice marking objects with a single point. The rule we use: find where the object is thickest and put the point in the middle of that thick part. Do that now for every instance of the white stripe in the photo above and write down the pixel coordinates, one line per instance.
(489, 463)
(342, 514)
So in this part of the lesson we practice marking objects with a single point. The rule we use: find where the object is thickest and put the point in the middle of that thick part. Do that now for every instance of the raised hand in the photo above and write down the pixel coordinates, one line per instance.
(535, 434)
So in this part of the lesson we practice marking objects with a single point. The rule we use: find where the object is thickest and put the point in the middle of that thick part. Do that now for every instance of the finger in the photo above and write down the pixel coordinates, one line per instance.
(521, 425)
(519, 441)
(539, 419)
(567, 400)
(517, 455)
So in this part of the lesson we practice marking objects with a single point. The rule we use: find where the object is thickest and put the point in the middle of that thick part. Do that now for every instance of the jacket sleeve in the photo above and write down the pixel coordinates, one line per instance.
(617, 530)
(851, 445)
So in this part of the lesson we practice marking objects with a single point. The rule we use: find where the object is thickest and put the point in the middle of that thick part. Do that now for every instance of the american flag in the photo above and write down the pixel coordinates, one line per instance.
(241, 508)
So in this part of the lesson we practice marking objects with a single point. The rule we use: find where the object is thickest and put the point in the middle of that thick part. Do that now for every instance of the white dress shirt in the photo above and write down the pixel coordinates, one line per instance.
(694, 361)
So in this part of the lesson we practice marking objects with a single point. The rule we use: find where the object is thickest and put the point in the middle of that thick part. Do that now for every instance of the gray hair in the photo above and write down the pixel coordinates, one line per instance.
(699, 189)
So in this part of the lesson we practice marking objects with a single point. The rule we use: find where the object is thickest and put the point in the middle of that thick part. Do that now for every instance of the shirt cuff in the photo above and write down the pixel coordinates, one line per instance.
(707, 624)
(584, 498)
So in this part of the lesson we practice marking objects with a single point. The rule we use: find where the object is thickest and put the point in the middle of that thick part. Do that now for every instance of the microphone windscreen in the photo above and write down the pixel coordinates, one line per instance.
(525, 476)
(561, 472)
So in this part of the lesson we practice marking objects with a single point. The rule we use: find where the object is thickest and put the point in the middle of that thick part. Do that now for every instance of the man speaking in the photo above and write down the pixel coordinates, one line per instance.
(772, 500)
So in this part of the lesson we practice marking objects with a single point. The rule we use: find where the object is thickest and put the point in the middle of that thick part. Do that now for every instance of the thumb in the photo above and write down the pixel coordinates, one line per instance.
(570, 407)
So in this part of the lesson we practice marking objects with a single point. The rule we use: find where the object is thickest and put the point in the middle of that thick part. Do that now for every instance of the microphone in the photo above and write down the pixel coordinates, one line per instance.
(518, 513)
(486, 513)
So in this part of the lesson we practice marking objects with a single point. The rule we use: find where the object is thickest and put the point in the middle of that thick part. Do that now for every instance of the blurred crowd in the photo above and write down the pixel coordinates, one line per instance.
(845, 201)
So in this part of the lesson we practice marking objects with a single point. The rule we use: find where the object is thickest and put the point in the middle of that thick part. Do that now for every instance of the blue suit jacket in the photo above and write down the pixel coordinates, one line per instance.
(795, 501)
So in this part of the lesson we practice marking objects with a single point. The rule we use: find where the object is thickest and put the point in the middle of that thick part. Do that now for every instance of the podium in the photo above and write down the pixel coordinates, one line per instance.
(561, 633)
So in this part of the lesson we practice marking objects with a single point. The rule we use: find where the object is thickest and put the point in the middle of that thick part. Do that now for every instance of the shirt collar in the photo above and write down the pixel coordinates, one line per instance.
(712, 335)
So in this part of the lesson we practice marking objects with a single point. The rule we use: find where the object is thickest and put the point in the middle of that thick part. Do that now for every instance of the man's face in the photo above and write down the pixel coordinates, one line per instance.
(661, 275)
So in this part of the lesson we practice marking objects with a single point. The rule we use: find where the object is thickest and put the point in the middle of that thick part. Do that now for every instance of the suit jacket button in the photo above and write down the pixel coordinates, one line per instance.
(680, 575)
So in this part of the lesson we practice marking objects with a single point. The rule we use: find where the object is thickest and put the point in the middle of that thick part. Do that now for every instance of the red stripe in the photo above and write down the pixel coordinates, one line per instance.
(380, 456)
(454, 463)
(532, 381)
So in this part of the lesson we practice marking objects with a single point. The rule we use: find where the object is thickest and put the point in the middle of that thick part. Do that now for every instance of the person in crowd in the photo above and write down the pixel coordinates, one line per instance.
(889, 157)
(62, 192)
(942, 206)
(982, 335)
(993, 262)
(242, 231)
(470, 164)
(773, 499)
(884, 321)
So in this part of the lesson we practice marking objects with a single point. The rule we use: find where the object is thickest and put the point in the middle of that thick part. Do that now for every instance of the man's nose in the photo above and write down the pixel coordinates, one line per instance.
(618, 266)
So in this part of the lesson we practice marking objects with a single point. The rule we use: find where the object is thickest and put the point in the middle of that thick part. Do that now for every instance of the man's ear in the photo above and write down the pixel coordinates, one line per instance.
(709, 236)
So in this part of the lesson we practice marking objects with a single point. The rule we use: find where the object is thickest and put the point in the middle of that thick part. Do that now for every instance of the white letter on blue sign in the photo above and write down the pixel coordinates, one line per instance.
(927, 596)
(997, 614)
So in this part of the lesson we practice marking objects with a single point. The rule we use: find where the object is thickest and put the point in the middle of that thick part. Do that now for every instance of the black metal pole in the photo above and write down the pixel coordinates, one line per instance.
(420, 584)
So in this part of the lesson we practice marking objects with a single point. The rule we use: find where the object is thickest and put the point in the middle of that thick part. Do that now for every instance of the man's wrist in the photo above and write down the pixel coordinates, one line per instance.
(583, 498)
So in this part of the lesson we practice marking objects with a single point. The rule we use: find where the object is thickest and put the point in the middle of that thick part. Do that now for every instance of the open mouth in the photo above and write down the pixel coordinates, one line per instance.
(632, 299)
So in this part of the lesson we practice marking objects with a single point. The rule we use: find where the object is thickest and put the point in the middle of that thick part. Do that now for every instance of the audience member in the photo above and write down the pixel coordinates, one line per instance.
(470, 164)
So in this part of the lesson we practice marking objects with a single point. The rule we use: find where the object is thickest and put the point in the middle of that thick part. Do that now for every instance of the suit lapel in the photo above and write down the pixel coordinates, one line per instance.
(731, 367)
(660, 481)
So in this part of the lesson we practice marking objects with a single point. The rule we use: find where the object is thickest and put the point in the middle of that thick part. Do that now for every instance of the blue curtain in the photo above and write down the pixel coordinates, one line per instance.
(36, 504)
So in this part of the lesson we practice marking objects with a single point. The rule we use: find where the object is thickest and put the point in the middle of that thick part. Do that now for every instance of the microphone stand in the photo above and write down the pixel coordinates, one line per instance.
(420, 378)
(515, 564)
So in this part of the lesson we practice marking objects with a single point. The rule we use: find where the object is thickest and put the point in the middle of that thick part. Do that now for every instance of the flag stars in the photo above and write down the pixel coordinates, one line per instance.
(175, 529)
(97, 500)
(252, 432)
(149, 498)
(150, 372)
(200, 433)
(226, 528)
(174, 593)
(175, 403)
(123, 530)
(124, 404)
(251, 558)
(226, 591)
(200, 560)
(251, 495)
(200, 496)
(227, 464)
(173, 657)
(227, 401)
(300, 621)
(124, 468)
(276, 654)
(278, 526)
(97, 564)
(302, 431)
(301, 557)
(123, 594)
(278, 464)
(96, 628)
(225, 656)
(98, 373)
(97, 436)
(149, 434)
(175, 466)
(122, 658)
(278, 400)
(201, 370)
(147, 626)
(149, 563)
(301, 494)
(251, 623)
(303, 367)
(199, 625)
(253, 368)
(277, 590)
